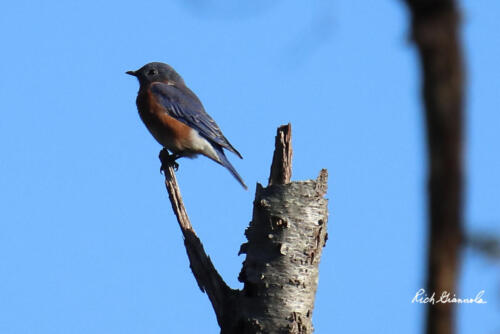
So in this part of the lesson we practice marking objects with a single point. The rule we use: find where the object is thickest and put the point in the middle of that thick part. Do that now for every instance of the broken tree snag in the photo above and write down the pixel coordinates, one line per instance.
(436, 33)
(285, 241)
(281, 167)
(206, 275)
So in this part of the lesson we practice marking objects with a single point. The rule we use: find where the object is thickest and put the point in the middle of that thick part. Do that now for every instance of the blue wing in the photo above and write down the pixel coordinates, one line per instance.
(182, 104)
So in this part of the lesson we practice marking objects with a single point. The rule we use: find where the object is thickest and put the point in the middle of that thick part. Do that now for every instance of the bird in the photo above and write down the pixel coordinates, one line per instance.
(175, 117)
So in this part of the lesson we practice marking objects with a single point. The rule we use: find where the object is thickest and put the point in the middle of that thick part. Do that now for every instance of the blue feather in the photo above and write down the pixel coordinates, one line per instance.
(225, 162)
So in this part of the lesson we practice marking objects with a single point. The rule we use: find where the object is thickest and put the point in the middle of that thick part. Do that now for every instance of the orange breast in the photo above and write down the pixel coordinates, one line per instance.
(169, 132)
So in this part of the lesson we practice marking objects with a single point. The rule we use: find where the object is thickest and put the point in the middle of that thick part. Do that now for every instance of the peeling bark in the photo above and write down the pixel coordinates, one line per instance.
(285, 241)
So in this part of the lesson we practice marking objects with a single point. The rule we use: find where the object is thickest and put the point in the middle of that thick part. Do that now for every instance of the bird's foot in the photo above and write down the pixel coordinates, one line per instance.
(168, 160)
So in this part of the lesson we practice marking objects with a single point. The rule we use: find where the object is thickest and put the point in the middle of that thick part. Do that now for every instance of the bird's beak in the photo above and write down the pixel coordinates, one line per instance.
(131, 73)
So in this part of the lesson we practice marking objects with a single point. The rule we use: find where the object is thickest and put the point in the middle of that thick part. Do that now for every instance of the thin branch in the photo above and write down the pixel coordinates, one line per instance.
(206, 275)
(174, 194)
(486, 244)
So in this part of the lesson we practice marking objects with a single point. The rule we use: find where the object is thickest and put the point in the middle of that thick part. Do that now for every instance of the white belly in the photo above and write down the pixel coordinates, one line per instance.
(200, 145)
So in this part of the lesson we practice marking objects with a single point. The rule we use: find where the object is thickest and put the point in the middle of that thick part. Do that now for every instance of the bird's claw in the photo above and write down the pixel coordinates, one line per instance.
(168, 160)
(174, 164)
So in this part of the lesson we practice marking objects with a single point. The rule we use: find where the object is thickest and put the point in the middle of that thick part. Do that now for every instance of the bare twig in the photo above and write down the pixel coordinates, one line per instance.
(174, 194)
(206, 275)
(486, 244)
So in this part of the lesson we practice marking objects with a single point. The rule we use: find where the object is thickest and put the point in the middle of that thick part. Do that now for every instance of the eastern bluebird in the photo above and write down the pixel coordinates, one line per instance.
(176, 118)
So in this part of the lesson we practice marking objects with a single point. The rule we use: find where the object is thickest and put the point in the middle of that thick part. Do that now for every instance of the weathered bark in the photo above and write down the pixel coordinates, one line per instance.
(435, 30)
(285, 241)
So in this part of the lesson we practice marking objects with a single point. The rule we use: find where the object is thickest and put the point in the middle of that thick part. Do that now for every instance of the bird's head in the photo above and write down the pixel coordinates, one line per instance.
(156, 72)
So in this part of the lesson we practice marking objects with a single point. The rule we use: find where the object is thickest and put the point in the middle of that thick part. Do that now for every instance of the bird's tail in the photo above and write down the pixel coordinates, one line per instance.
(225, 162)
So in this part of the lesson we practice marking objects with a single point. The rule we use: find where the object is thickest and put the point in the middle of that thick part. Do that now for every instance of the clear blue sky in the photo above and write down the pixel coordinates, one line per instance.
(88, 241)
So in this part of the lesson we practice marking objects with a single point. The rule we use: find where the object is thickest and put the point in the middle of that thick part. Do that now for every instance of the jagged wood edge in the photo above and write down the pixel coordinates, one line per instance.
(281, 167)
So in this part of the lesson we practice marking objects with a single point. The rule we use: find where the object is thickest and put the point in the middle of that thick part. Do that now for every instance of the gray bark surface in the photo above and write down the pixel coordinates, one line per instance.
(285, 241)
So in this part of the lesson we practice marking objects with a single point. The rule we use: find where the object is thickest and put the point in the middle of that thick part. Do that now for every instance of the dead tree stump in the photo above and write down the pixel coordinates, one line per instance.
(285, 240)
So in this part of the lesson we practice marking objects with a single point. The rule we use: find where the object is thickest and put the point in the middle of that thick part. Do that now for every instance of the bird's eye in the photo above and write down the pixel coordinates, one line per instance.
(152, 72)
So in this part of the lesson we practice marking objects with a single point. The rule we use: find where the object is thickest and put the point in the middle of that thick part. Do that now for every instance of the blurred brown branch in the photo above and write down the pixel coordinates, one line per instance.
(435, 31)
